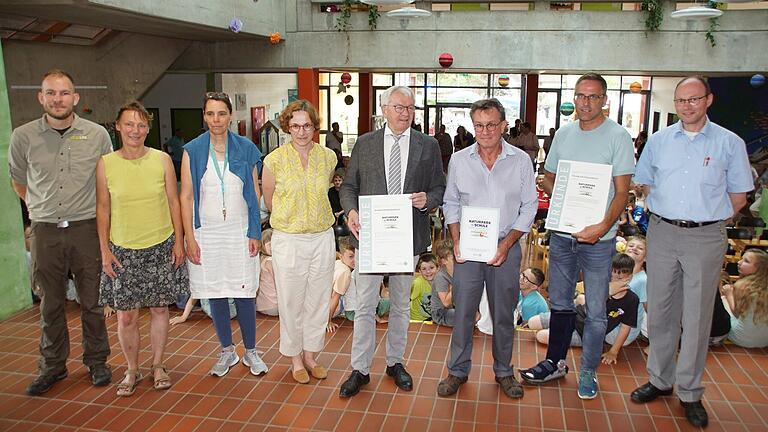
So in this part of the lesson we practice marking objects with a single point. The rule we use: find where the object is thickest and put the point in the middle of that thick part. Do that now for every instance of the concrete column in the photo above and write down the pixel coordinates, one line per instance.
(309, 89)
(531, 98)
(14, 284)
(364, 118)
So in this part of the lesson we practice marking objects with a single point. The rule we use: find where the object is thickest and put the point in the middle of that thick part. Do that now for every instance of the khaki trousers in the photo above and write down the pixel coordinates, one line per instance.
(303, 265)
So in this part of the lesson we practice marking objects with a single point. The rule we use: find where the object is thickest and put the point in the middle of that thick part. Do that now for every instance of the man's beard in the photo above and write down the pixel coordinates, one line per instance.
(64, 116)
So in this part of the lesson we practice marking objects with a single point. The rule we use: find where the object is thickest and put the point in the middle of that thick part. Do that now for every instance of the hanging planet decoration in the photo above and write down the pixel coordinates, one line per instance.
(757, 80)
(274, 38)
(635, 87)
(235, 25)
(445, 59)
(348, 99)
(503, 80)
(346, 78)
(566, 108)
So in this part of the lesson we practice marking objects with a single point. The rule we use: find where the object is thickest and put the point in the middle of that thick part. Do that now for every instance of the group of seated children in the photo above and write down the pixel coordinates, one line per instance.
(746, 301)
(431, 290)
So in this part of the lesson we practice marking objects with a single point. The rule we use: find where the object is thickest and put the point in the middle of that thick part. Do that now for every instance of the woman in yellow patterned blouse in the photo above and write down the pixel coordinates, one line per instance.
(295, 182)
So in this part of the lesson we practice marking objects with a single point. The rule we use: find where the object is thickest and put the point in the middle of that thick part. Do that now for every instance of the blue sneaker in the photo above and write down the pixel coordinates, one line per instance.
(587, 384)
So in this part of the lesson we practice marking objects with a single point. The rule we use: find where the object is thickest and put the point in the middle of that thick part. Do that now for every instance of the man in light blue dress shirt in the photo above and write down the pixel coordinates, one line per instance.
(696, 175)
(489, 173)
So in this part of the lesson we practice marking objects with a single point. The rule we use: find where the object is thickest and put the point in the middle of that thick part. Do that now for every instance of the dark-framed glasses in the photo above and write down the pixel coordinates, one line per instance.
(490, 127)
(592, 98)
(690, 101)
(522, 275)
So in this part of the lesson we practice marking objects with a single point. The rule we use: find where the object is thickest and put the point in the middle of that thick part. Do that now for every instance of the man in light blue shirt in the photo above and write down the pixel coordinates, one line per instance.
(489, 173)
(596, 139)
(696, 175)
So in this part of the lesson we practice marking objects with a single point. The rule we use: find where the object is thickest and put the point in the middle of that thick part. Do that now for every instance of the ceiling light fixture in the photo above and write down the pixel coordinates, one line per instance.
(386, 2)
(696, 13)
(409, 12)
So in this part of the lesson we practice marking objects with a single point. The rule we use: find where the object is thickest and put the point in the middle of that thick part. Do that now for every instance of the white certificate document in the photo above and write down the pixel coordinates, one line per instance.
(479, 233)
(386, 234)
(579, 196)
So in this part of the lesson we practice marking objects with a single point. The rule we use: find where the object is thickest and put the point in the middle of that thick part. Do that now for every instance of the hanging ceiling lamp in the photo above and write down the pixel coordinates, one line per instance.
(696, 12)
(409, 12)
(386, 2)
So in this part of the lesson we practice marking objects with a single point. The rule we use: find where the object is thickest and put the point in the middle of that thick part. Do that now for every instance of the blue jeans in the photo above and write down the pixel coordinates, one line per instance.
(566, 258)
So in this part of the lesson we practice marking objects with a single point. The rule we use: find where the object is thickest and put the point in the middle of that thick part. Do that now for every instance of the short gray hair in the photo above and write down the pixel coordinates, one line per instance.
(405, 91)
(486, 104)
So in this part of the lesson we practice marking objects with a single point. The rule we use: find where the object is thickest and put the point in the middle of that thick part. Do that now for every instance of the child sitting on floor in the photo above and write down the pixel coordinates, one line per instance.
(266, 297)
(747, 301)
(441, 302)
(421, 288)
(531, 302)
(621, 309)
(344, 291)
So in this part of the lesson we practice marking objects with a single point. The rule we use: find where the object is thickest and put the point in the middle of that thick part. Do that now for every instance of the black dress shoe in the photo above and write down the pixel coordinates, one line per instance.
(695, 413)
(402, 378)
(648, 392)
(44, 382)
(100, 374)
(352, 385)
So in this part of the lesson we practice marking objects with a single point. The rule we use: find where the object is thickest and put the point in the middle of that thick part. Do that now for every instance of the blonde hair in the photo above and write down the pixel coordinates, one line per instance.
(266, 237)
(752, 290)
(444, 249)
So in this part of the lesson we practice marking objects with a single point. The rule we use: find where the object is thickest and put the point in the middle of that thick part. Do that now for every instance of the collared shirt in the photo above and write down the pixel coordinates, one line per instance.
(608, 144)
(509, 185)
(389, 141)
(58, 170)
(691, 179)
(300, 203)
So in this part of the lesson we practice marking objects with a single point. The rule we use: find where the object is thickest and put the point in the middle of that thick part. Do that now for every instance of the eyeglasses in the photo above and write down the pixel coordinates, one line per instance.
(490, 127)
(522, 275)
(592, 98)
(691, 101)
(400, 108)
(297, 127)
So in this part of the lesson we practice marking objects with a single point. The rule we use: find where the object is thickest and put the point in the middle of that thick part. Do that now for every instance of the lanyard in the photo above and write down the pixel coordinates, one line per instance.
(220, 173)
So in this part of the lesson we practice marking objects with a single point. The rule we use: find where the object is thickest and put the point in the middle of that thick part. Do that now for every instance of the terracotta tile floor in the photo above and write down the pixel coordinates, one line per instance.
(736, 396)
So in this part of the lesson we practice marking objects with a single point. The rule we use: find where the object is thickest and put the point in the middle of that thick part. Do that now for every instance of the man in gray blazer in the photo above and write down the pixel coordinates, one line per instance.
(393, 160)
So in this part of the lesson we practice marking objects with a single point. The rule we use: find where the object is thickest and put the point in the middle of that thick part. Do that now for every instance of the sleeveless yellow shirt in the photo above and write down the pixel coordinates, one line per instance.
(139, 215)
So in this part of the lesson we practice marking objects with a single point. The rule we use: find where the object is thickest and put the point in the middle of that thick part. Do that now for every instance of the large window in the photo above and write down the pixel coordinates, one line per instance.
(625, 104)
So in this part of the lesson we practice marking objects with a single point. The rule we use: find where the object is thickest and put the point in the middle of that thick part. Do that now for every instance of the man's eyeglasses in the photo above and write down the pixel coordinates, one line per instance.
(522, 275)
(691, 101)
(490, 127)
(400, 108)
(592, 98)
(297, 127)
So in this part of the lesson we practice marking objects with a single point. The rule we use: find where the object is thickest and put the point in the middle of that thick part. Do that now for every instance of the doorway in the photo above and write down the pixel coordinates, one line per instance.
(453, 116)
(189, 120)
(153, 138)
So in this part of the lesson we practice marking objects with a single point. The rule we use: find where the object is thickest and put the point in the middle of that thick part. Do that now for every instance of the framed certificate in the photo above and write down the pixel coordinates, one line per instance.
(579, 196)
(479, 233)
(386, 234)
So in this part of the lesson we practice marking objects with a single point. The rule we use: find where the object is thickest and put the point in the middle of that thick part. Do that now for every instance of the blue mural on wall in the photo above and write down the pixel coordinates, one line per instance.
(742, 108)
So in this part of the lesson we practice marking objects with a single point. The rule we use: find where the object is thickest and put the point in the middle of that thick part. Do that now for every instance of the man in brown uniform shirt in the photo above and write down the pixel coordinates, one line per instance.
(52, 163)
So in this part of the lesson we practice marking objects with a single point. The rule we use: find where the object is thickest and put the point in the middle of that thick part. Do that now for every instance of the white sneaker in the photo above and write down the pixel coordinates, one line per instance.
(227, 358)
(252, 360)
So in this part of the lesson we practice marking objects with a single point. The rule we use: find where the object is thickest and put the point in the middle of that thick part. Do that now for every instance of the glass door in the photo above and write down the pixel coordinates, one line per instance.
(453, 116)
(547, 111)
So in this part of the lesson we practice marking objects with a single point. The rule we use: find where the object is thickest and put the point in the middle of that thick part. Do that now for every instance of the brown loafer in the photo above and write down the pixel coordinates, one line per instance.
(318, 372)
(301, 376)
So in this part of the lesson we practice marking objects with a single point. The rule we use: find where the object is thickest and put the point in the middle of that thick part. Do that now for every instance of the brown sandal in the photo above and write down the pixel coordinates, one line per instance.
(125, 389)
(162, 383)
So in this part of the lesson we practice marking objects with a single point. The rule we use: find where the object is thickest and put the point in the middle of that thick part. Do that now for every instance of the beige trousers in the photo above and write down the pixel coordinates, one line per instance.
(303, 265)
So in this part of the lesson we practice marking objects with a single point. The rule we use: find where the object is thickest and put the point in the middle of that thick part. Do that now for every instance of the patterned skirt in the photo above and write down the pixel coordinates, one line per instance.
(147, 279)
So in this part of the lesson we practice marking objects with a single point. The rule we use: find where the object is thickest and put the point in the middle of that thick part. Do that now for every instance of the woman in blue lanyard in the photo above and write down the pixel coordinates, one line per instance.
(222, 228)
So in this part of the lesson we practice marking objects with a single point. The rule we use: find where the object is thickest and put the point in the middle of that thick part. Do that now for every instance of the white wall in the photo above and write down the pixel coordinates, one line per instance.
(662, 93)
(175, 91)
(267, 89)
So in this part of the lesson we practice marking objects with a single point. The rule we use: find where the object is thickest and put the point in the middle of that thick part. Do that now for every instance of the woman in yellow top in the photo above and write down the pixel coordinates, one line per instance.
(295, 181)
(141, 240)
